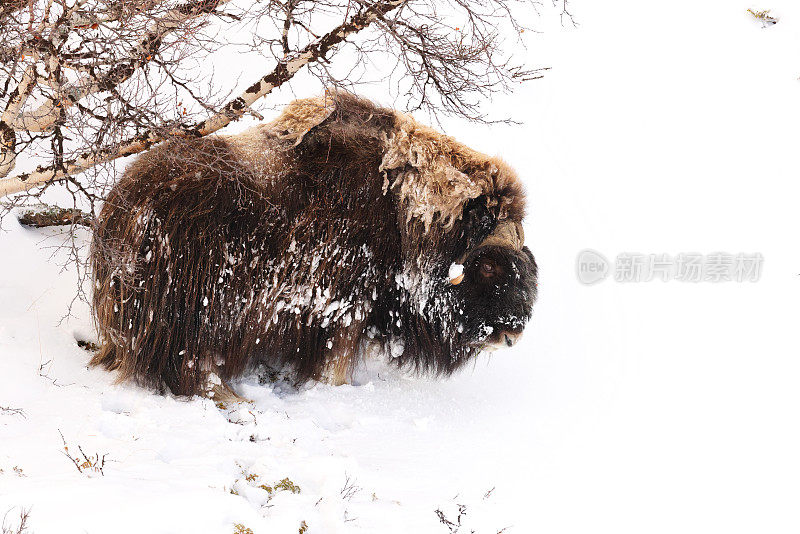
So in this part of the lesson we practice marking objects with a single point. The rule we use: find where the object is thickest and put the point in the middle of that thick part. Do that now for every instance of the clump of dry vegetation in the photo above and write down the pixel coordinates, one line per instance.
(88, 345)
(85, 464)
(764, 16)
(283, 485)
(252, 479)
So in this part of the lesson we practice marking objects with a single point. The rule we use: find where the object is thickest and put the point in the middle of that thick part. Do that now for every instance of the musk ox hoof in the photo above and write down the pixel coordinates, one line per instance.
(299, 242)
(220, 392)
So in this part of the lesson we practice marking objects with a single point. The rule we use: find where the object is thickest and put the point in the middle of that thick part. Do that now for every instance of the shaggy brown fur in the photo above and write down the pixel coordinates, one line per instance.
(301, 240)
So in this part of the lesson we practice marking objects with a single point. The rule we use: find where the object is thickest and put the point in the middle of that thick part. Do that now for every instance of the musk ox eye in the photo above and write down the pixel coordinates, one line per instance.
(489, 269)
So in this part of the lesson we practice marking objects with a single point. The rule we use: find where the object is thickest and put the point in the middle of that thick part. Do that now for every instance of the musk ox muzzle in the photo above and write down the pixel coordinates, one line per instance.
(305, 242)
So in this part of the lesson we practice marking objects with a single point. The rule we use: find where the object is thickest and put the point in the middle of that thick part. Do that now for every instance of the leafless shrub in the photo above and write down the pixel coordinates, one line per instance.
(21, 525)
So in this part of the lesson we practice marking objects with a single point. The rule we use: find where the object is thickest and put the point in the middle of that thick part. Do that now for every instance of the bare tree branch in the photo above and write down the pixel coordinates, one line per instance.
(44, 215)
(8, 139)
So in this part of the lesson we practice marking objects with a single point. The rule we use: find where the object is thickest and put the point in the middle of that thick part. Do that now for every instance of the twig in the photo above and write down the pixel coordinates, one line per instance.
(349, 490)
(13, 411)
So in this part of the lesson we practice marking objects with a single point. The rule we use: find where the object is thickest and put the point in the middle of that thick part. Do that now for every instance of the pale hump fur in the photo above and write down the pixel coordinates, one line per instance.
(428, 180)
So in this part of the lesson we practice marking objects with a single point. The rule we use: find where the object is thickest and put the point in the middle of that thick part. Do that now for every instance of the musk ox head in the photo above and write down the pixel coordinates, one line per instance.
(305, 241)
(497, 287)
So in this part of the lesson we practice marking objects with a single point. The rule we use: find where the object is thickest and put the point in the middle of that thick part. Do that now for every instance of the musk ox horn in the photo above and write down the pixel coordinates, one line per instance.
(507, 234)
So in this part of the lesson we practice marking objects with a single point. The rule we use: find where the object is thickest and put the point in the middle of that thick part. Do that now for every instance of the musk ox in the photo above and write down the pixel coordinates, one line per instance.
(299, 243)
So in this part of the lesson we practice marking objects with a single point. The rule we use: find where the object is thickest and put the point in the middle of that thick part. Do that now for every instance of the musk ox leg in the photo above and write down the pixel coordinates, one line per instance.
(339, 370)
(340, 364)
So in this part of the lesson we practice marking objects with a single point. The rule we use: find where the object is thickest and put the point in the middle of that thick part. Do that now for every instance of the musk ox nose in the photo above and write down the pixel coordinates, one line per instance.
(503, 337)
(510, 338)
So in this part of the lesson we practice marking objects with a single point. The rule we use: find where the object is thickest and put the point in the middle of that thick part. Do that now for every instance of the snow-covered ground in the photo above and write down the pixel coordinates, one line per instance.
(627, 408)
